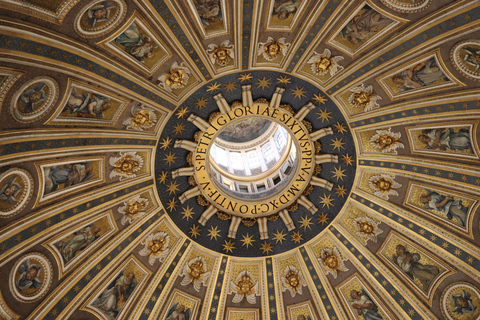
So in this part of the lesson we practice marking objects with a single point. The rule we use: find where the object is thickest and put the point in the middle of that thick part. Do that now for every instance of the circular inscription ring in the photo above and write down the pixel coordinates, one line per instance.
(273, 203)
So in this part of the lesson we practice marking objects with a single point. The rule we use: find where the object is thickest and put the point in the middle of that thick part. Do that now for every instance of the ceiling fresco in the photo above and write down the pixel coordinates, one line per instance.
(107, 112)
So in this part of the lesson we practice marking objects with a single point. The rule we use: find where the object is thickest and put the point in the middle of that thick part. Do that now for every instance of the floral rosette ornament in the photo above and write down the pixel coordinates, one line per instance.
(125, 165)
(156, 247)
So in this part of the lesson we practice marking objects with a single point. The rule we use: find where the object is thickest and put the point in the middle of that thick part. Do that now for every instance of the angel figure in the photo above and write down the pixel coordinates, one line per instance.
(32, 98)
(125, 165)
(462, 303)
(209, 11)
(10, 190)
(113, 298)
(177, 78)
(178, 312)
(363, 97)
(87, 105)
(29, 276)
(323, 63)
(271, 49)
(450, 207)
(195, 272)
(139, 46)
(383, 185)
(409, 263)
(284, 8)
(156, 247)
(133, 209)
(364, 306)
(142, 118)
(222, 54)
(293, 280)
(332, 261)
(446, 139)
(99, 13)
(244, 286)
(67, 175)
(80, 240)
(387, 141)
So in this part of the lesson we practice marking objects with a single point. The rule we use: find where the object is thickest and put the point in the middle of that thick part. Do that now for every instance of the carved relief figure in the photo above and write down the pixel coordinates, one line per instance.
(451, 208)
(271, 49)
(332, 261)
(133, 209)
(244, 286)
(293, 280)
(178, 312)
(283, 9)
(363, 97)
(364, 306)
(367, 228)
(409, 263)
(114, 297)
(384, 185)
(125, 165)
(86, 104)
(63, 176)
(139, 45)
(223, 54)
(323, 63)
(142, 118)
(421, 75)
(364, 25)
(446, 139)
(209, 11)
(156, 247)
(387, 141)
(81, 239)
(195, 272)
(177, 78)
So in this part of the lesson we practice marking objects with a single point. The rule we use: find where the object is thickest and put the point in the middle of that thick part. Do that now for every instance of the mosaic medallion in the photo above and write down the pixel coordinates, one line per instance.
(31, 277)
(466, 58)
(99, 17)
(240, 207)
(16, 189)
(34, 99)
(460, 301)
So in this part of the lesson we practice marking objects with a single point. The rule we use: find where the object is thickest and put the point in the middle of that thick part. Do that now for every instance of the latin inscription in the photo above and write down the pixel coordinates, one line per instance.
(290, 193)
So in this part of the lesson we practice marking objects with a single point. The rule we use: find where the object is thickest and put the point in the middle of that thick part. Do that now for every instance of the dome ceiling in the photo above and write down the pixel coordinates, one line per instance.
(107, 207)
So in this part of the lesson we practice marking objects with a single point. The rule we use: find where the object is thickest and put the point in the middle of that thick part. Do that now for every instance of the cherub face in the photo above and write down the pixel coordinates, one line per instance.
(127, 166)
(461, 302)
(361, 98)
(400, 250)
(323, 64)
(245, 285)
(331, 261)
(383, 184)
(273, 50)
(221, 55)
(385, 140)
(293, 280)
(134, 207)
(354, 294)
(10, 190)
(100, 13)
(365, 227)
(157, 245)
(196, 270)
(31, 274)
(142, 117)
(34, 97)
